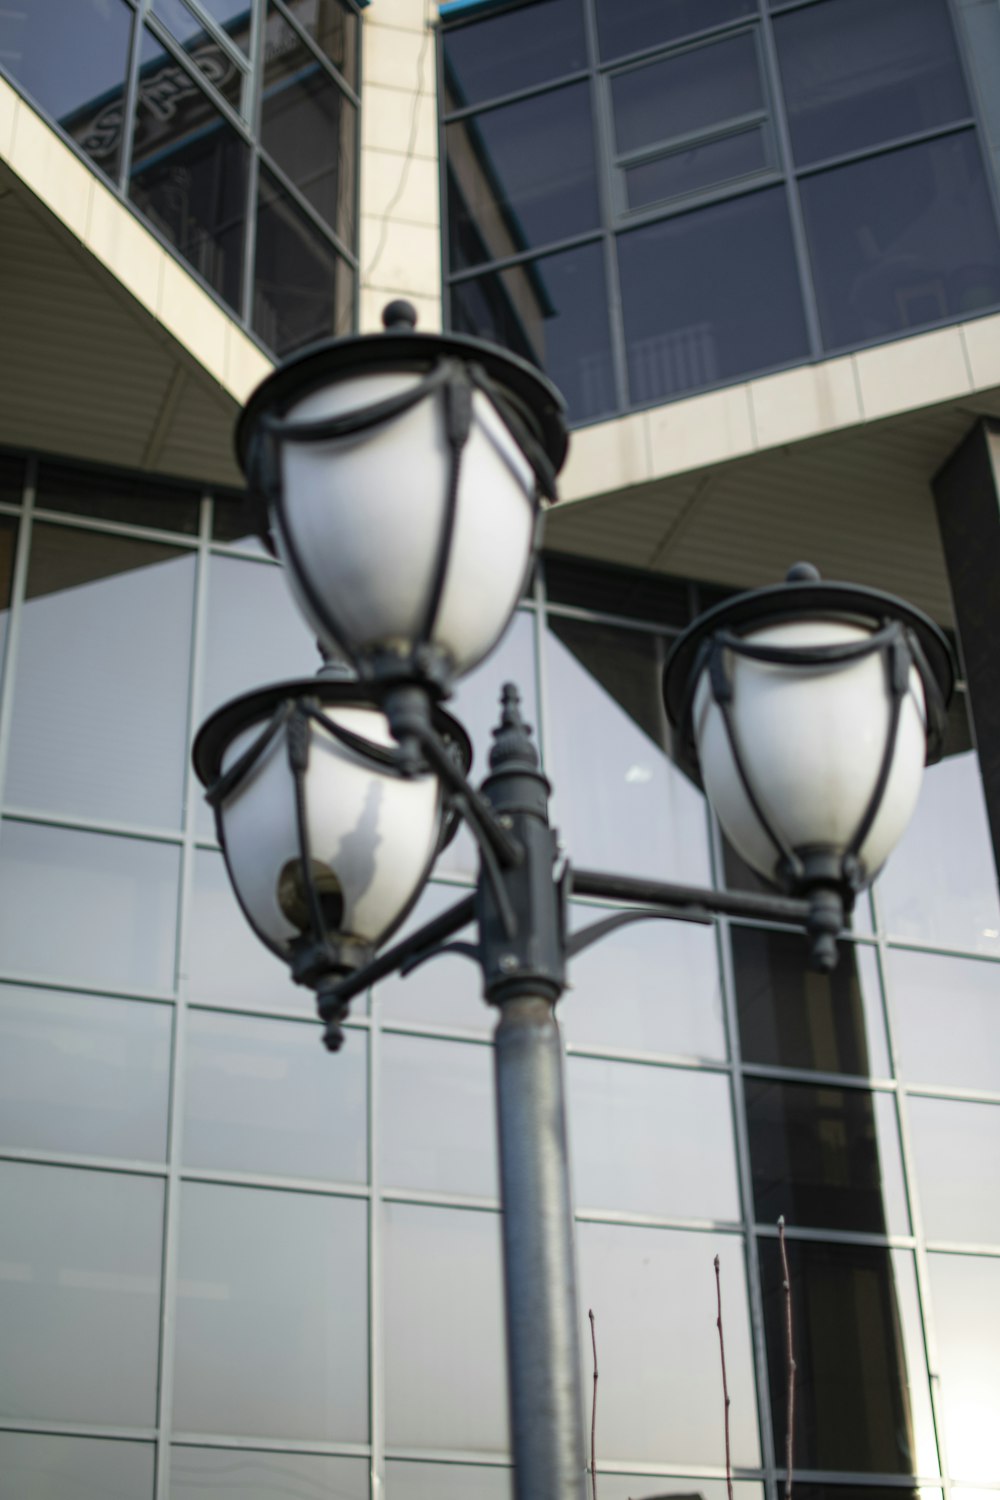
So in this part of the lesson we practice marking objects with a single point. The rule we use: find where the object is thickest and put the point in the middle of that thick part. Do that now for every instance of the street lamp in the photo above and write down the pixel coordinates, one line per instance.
(401, 476)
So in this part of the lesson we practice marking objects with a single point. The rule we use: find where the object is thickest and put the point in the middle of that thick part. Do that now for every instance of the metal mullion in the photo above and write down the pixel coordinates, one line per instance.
(865, 1477)
(254, 106)
(79, 1429)
(376, 1311)
(678, 45)
(288, 187)
(9, 509)
(233, 549)
(328, 67)
(214, 31)
(675, 1223)
(313, 1187)
(269, 1444)
(18, 591)
(272, 1013)
(658, 213)
(605, 617)
(936, 950)
(121, 1166)
(972, 89)
(87, 987)
(65, 519)
(443, 1456)
(572, 242)
(670, 145)
(604, 152)
(420, 1198)
(432, 1033)
(820, 1079)
(551, 86)
(988, 1251)
(174, 50)
(444, 211)
(812, 1235)
(885, 148)
(945, 1091)
(661, 1061)
(108, 828)
(130, 101)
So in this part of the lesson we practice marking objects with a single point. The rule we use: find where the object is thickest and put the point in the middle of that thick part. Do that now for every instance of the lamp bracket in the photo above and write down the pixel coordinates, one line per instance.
(587, 936)
(465, 950)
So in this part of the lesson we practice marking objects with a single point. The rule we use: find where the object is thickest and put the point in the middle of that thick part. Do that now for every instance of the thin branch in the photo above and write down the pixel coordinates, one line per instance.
(725, 1387)
(786, 1285)
(593, 1411)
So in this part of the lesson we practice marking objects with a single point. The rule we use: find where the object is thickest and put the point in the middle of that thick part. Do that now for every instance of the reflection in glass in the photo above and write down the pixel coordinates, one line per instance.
(232, 15)
(517, 50)
(212, 60)
(226, 963)
(107, 496)
(71, 56)
(946, 1019)
(621, 802)
(189, 171)
(956, 1146)
(207, 1473)
(791, 1017)
(553, 312)
(437, 1126)
(261, 1096)
(688, 92)
(40, 1465)
(902, 240)
(631, 25)
(112, 901)
(272, 1300)
(633, 1147)
(308, 125)
(649, 987)
(445, 1375)
(653, 1296)
(96, 731)
(862, 1398)
(333, 26)
(521, 176)
(825, 1157)
(81, 1273)
(911, 80)
(82, 1074)
(303, 290)
(731, 305)
(965, 1296)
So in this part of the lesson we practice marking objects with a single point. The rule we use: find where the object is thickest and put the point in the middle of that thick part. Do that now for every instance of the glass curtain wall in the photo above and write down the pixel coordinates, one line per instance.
(230, 126)
(231, 1263)
(654, 197)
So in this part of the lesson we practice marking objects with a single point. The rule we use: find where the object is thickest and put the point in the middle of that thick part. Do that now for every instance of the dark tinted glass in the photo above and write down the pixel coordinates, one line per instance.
(824, 1157)
(902, 240)
(617, 591)
(710, 296)
(554, 312)
(794, 1018)
(861, 1398)
(136, 500)
(333, 26)
(686, 93)
(521, 176)
(308, 126)
(911, 79)
(189, 172)
(8, 541)
(71, 56)
(11, 480)
(696, 167)
(632, 25)
(512, 51)
(303, 290)
(163, 79)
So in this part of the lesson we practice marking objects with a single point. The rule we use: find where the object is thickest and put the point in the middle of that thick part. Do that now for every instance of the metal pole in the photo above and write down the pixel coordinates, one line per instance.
(543, 1350)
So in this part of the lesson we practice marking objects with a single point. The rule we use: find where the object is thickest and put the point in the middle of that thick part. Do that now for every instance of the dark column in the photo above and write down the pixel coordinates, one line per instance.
(968, 508)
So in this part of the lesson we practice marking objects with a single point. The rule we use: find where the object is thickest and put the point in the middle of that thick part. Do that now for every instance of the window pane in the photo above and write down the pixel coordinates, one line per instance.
(862, 1399)
(632, 25)
(11, 478)
(825, 1157)
(82, 1074)
(965, 1293)
(445, 991)
(226, 962)
(207, 1473)
(901, 240)
(264, 1096)
(946, 1019)
(80, 1295)
(909, 80)
(41, 1466)
(622, 803)
(730, 305)
(438, 1125)
(72, 57)
(212, 60)
(419, 1481)
(940, 886)
(504, 53)
(696, 167)
(957, 1150)
(521, 176)
(272, 1302)
(686, 93)
(550, 311)
(634, 1150)
(652, 986)
(652, 1291)
(791, 1017)
(112, 902)
(303, 290)
(445, 1376)
(189, 173)
(333, 26)
(136, 500)
(308, 126)
(100, 611)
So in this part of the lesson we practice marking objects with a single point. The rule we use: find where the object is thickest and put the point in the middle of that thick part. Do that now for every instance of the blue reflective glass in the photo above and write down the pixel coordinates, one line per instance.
(902, 240)
(696, 167)
(710, 296)
(498, 55)
(686, 92)
(632, 25)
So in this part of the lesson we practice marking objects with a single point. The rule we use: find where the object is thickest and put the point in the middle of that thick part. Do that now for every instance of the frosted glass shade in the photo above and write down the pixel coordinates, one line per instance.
(361, 521)
(811, 739)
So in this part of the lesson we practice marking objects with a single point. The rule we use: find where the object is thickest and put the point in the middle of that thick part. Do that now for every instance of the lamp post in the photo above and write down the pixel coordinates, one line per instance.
(400, 476)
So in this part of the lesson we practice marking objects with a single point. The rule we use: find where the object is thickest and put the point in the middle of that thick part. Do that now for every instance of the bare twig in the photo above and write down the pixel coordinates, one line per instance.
(786, 1285)
(725, 1387)
(593, 1411)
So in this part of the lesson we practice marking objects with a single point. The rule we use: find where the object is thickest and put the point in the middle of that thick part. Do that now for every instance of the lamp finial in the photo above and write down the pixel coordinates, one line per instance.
(399, 316)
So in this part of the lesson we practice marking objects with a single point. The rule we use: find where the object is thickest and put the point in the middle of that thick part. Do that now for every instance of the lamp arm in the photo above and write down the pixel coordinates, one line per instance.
(687, 902)
(418, 944)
